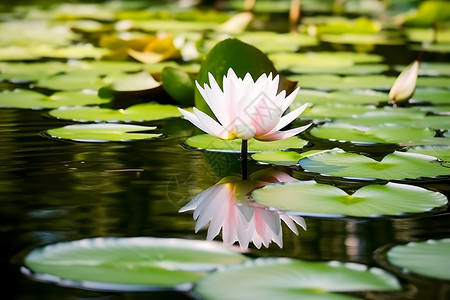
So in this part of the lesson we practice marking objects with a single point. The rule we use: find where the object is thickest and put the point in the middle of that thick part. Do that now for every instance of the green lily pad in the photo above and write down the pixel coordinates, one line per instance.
(268, 41)
(121, 264)
(18, 71)
(14, 53)
(285, 278)
(321, 60)
(394, 166)
(427, 258)
(334, 82)
(329, 111)
(72, 81)
(281, 158)
(435, 96)
(431, 47)
(210, 143)
(311, 198)
(356, 97)
(427, 35)
(33, 100)
(363, 39)
(102, 132)
(440, 151)
(179, 85)
(384, 133)
(71, 52)
(433, 81)
(137, 113)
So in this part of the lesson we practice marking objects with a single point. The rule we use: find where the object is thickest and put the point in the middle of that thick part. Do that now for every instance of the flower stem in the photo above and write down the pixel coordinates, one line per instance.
(243, 159)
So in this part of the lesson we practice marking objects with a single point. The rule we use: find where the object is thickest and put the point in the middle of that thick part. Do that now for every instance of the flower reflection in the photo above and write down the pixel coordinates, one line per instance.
(227, 206)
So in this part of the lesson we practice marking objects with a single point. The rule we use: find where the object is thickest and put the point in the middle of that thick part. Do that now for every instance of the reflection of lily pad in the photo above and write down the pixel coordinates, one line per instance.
(102, 132)
(384, 133)
(427, 258)
(285, 278)
(309, 197)
(210, 143)
(127, 263)
(138, 113)
(334, 82)
(396, 165)
(35, 100)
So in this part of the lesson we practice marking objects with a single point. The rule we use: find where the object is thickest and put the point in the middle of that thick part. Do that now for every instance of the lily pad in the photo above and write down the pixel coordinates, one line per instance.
(281, 158)
(311, 198)
(33, 100)
(435, 96)
(213, 144)
(321, 60)
(394, 166)
(72, 81)
(18, 71)
(335, 82)
(285, 278)
(363, 39)
(268, 41)
(329, 111)
(137, 113)
(121, 264)
(440, 151)
(102, 133)
(427, 258)
(433, 81)
(384, 133)
(355, 97)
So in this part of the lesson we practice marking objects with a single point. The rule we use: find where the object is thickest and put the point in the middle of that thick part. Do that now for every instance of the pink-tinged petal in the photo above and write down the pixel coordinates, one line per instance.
(213, 84)
(289, 99)
(405, 84)
(287, 119)
(194, 120)
(213, 127)
(209, 210)
(281, 135)
(289, 223)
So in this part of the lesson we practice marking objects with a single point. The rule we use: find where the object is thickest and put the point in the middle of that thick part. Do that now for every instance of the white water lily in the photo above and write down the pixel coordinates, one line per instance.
(246, 109)
(405, 84)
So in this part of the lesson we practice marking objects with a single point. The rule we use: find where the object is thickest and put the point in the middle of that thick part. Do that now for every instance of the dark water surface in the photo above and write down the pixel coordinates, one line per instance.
(56, 191)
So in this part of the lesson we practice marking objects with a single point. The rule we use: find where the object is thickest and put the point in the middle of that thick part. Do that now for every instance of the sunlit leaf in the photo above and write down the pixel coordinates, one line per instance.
(158, 49)
(338, 110)
(268, 41)
(334, 82)
(74, 52)
(121, 264)
(137, 113)
(440, 151)
(102, 133)
(432, 95)
(311, 198)
(340, 96)
(210, 143)
(384, 133)
(281, 158)
(138, 82)
(179, 85)
(397, 165)
(437, 82)
(284, 278)
(428, 35)
(363, 39)
(429, 13)
(426, 258)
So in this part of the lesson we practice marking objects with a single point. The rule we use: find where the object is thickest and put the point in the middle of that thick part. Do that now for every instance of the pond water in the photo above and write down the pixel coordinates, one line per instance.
(53, 190)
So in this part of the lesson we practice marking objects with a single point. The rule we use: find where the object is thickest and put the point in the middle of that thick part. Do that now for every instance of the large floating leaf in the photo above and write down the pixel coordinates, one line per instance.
(337, 110)
(397, 165)
(284, 278)
(440, 151)
(138, 113)
(320, 60)
(140, 263)
(385, 133)
(16, 71)
(363, 39)
(102, 132)
(334, 82)
(428, 258)
(433, 95)
(210, 143)
(281, 158)
(268, 41)
(435, 81)
(34, 100)
(311, 198)
(340, 96)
